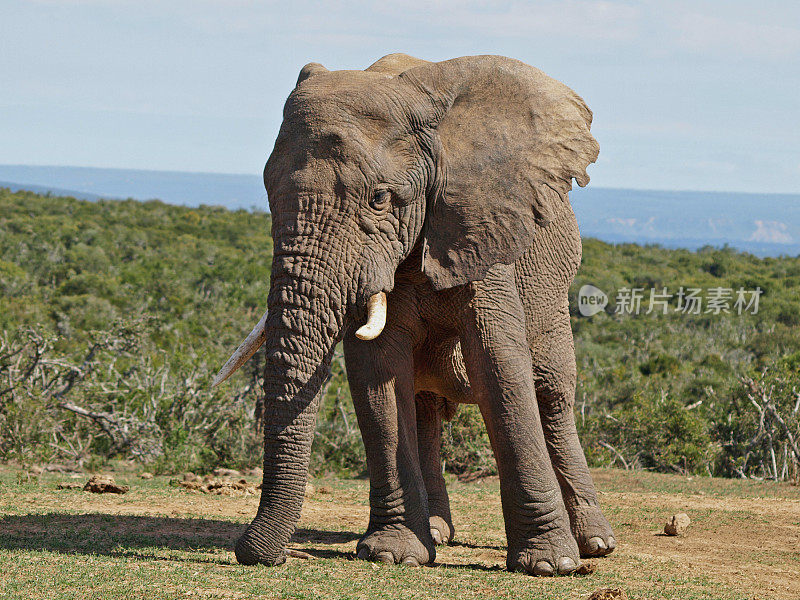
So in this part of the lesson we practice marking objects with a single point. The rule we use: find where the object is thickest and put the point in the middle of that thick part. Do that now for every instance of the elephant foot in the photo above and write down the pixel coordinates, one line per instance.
(553, 552)
(441, 530)
(396, 544)
(591, 531)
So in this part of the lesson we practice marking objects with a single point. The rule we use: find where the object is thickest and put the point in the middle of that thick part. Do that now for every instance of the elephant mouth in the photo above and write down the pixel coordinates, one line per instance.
(376, 321)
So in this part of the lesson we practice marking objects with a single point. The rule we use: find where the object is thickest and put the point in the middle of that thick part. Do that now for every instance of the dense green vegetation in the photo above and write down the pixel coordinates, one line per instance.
(126, 309)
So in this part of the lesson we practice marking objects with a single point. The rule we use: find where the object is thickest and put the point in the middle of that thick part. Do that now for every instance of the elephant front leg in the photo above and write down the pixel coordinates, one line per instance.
(380, 373)
(429, 437)
(498, 362)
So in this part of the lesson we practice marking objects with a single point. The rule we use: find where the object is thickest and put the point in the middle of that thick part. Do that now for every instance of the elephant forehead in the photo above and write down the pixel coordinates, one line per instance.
(335, 152)
(331, 108)
(339, 135)
(322, 171)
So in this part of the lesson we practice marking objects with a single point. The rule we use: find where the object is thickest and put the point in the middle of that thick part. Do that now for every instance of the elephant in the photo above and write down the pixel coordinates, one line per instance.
(420, 214)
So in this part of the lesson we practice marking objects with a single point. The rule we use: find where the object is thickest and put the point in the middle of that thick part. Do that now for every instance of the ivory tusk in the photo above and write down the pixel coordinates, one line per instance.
(376, 318)
(245, 350)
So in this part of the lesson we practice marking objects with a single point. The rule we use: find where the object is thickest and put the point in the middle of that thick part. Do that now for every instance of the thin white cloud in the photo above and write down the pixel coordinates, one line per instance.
(681, 90)
(590, 19)
(595, 19)
(651, 27)
(723, 35)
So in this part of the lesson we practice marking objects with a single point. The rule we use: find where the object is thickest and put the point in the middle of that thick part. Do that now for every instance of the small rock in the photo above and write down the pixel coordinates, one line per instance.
(146, 475)
(677, 524)
(608, 594)
(309, 490)
(104, 484)
(227, 473)
(68, 486)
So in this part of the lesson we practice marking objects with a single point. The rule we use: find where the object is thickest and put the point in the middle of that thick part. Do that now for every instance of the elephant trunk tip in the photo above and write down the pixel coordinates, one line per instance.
(249, 551)
(376, 317)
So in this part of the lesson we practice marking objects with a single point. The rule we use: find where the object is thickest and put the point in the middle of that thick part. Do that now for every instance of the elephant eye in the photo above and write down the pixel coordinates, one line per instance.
(380, 200)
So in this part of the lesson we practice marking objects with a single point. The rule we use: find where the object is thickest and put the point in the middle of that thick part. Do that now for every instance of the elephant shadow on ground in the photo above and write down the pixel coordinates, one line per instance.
(206, 540)
(472, 546)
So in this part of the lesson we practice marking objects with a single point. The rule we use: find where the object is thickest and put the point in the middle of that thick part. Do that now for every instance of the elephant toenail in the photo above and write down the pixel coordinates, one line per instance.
(543, 569)
(363, 553)
(385, 557)
(566, 565)
(410, 561)
(612, 543)
(596, 544)
(436, 535)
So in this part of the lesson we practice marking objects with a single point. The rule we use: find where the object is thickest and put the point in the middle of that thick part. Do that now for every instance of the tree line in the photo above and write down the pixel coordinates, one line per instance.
(116, 314)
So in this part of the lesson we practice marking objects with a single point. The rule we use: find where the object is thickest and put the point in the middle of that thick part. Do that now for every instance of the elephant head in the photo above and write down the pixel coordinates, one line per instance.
(444, 165)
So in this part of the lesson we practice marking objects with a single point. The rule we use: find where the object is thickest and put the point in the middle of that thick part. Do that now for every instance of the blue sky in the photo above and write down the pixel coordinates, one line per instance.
(686, 95)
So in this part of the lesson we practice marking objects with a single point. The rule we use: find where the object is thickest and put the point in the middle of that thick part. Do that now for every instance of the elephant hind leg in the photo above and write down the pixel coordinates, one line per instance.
(497, 359)
(429, 437)
(554, 367)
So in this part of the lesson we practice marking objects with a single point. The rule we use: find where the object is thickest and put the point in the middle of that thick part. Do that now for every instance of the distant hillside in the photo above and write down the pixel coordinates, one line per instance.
(763, 224)
(53, 191)
(172, 187)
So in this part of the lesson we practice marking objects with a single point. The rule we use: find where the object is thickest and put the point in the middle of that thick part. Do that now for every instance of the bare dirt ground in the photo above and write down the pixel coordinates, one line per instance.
(743, 542)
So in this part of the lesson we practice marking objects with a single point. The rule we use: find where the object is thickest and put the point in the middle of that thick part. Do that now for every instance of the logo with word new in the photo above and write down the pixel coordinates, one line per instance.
(591, 300)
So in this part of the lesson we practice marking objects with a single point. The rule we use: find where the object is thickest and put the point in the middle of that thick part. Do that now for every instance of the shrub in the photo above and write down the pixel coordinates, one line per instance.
(70, 270)
(653, 432)
(465, 444)
(759, 427)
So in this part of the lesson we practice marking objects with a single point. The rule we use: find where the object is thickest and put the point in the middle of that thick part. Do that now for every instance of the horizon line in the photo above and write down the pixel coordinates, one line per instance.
(246, 174)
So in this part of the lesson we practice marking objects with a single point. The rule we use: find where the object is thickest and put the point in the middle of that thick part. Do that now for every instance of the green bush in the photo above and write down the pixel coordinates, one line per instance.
(653, 432)
(337, 446)
(759, 427)
(465, 444)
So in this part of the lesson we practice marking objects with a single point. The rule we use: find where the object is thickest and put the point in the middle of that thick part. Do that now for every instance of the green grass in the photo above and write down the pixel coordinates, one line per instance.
(159, 541)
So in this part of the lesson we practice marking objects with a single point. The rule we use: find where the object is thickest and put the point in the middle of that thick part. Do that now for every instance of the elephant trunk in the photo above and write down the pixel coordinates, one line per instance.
(301, 330)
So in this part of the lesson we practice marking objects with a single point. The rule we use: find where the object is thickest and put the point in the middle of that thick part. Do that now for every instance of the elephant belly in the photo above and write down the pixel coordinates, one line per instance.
(542, 275)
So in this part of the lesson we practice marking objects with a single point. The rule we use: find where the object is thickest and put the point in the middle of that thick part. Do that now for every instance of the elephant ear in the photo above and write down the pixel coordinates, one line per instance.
(510, 141)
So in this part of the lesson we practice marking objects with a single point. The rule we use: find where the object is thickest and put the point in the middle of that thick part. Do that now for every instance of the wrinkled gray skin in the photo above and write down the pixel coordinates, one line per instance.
(444, 185)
